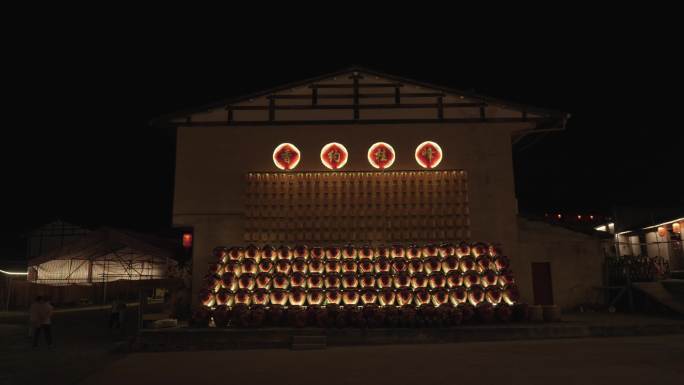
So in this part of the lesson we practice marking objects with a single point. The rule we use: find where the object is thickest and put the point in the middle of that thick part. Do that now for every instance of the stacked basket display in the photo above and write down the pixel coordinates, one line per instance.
(397, 286)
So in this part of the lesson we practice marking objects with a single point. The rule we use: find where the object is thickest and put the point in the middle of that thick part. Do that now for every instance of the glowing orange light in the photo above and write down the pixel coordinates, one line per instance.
(428, 154)
(579, 217)
(187, 240)
(334, 155)
(381, 155)
(662, 231)
(559, 216)
(286, 156)
(676, 227)
(591, 217)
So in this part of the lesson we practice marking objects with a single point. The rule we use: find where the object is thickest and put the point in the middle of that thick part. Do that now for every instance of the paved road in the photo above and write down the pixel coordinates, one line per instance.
(634, 360)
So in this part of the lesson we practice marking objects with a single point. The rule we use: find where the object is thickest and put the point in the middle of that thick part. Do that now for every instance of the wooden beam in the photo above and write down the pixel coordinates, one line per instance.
(365, 121)
(361, 85)
(359, 106)
(362, 96)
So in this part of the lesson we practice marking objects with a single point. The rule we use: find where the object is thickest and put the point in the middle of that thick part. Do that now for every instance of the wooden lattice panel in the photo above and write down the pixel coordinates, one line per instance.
(341, 207)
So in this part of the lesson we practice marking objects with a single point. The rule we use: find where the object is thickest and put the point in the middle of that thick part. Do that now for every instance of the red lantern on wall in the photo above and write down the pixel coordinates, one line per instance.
(428, 154)
(381, 155)
(286, 156)
(334, 156)
(187, 240)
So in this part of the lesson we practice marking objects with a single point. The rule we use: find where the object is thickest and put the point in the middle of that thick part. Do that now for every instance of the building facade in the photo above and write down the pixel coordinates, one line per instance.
(308, 163)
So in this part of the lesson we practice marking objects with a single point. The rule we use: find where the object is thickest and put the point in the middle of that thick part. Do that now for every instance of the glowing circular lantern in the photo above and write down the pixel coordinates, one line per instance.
(297, 280)
(229, 281)
(263, 281)
(489, 278)
(463, 250)
(458, 295)
(382, 251)
(422, 296)
(365, 252)
(676, 227)
(268, 252)
(511, 295)
(386, 297)
(212, 282)
(253, 252)
(402, 280)
(333, 253)
(242, 297)
(316, 266)
(382, 265)
(404, 296)
(493, 295)
(479, 249)
(349, 281)
(224, 297)
(315, 297)
(454, 278)
(415, 266)
(368, 296)
(334, 156)
(282, 266)
(265, 266)
(207, 298)
(286, 156)
(483, 263)
(428, 154)
(332, 281)
(446, 250)
(476, 295)
(299, 265)
(333, 296)
(221, 254)
(430, 251)
(280, 281)
(236, 254)
(332, 266)
(440, 297)
(367, 280)
(398, 251)
(365, 265)
(437, 279)
(349, 266)
(284, 252)
(297, 296)
(399, 265)
(432, 264)
(419, 280)
(501, 263)
(381, 155)
(314, 281)
(384, 281)
(467, 263)
(278, 297)
(317, 253)
(413, 252)
(350, 297)
(246, 281)
(260, 297)
(301, 251)
(450, 263)
(349, 251)
(471, 278)
(249, 265)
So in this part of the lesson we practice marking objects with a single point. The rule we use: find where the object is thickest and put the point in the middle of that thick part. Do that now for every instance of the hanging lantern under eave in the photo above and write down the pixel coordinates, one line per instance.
(662, 231)
(676, 227)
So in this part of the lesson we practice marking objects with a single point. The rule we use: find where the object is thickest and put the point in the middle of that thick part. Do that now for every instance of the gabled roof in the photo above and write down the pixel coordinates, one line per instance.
(107, 240)
(545, 118)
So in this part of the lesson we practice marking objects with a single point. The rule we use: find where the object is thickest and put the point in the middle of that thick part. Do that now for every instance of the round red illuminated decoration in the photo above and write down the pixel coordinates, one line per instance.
(286, 156)
(428, 154)
(381, 155)
(334, 156)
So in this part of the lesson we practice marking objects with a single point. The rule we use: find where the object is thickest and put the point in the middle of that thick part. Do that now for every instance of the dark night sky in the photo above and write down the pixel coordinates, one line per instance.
(83, 150)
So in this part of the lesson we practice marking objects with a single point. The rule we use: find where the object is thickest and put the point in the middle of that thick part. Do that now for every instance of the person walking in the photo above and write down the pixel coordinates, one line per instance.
(41, 318)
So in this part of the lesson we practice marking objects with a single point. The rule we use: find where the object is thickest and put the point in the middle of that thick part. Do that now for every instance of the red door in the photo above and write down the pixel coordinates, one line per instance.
(541, 283)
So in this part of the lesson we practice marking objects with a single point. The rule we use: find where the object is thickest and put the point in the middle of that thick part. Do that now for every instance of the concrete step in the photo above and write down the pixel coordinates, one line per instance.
(659, 293)
(309, 342)
(308, 346)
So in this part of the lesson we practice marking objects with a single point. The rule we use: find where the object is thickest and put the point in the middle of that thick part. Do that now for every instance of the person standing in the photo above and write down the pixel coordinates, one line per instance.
(41, 316)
